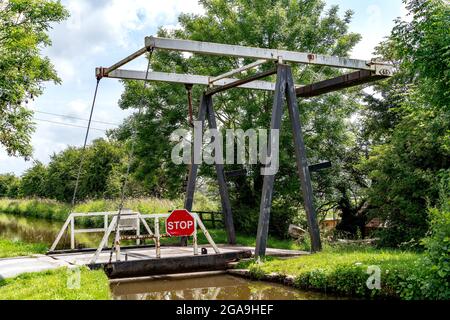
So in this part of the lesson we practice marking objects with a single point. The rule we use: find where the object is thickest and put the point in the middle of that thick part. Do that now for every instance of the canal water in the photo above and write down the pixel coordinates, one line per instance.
(214, 287)
(41, 231)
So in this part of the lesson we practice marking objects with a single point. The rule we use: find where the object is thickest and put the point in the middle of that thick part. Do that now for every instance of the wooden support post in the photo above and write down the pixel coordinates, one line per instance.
(302, 163)
(105, 226)
(195, 240)
(285, 88)
(104, 240)
(206, 233)
(138, 231)
(72, 233)
(61, 232)
(158, 240)
(193, 168)
(267, 192)
(220, 171)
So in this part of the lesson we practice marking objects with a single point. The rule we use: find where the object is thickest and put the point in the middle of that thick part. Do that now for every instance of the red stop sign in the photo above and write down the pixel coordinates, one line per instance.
(180, 224)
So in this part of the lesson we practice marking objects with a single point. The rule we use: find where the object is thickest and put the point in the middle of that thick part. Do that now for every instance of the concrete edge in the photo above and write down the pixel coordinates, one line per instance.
(180, 276)
(286, 280)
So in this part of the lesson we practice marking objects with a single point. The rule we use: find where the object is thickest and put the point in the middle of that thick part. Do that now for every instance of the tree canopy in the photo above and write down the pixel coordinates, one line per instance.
(24, 26)
(304, 26)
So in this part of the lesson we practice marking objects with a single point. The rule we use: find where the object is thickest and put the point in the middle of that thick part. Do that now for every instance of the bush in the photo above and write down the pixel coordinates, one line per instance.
(246, 220)
(438, 253)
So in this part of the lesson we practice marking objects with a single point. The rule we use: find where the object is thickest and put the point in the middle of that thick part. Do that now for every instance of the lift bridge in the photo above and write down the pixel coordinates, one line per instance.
(284, 89)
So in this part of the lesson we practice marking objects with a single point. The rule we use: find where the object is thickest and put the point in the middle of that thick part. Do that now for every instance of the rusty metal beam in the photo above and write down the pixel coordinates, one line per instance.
(338, 83)
(241, 82)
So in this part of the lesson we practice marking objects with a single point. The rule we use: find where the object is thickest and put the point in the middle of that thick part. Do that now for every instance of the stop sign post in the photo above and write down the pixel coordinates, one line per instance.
(180, 224)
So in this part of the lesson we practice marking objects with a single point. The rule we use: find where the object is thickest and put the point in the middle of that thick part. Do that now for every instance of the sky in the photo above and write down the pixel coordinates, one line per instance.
(101, 32)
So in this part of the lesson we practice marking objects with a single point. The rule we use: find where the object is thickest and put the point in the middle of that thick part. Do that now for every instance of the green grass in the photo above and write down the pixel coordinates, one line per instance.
(58, 211)
(53, 285)
(220, 237)
(9, 248)
(344, 270)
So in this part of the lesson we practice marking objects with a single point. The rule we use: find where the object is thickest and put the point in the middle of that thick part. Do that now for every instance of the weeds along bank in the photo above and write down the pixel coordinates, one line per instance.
(58, 211)
(60, 284)
(11, 248)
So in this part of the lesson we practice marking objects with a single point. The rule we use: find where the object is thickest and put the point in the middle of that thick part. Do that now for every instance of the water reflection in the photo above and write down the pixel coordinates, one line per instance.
(41, 231)
(217, 287)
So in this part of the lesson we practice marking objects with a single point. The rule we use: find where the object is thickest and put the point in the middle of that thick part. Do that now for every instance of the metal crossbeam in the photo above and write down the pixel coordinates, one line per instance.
(342, 82)
(238, 70)
(185, 78)
(256, 53)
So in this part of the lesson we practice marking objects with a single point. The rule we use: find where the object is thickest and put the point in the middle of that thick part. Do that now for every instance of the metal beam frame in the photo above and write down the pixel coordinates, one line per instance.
(185, 79)
(238, 70)
(284, 88)
(206, 111)
(341, 82)
(256, 53)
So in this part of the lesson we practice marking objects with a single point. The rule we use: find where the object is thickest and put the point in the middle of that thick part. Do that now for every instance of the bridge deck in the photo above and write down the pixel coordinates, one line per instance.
(15, 266)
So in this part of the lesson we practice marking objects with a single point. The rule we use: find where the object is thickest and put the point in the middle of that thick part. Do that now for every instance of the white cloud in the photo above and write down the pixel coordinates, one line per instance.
(374, 30)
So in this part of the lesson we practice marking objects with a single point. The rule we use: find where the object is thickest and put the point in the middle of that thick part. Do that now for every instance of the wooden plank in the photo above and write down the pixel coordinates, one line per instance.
(338, 83)
(193, 167)
(269, 180)
(302, 162)
(206, 233)
(61, 232)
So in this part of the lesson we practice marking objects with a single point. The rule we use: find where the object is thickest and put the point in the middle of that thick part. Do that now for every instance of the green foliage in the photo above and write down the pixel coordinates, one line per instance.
(437, 244)
(293, 25)
(11, 248)
(101, 175)
(35, 208)
(343, 271)
(411, 154)
(33, 182)
(52, 285)
(23, 33)
(9, 185)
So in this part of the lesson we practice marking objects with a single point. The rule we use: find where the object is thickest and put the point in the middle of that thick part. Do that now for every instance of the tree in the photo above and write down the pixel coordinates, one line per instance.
(411, 151)
(9, 185)
(23, 32)
(33, 182)
(302, 25)
(103, 163)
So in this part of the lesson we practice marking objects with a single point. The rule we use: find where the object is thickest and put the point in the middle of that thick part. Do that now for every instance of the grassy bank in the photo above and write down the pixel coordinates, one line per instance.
(10, 248)
(344, 271)
(58, 211)
(53, 285)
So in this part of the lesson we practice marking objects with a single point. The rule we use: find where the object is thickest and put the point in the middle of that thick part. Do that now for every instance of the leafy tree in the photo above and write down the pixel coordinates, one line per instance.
(33, 183)
(9, 185)
(101, 161)
(411, 152)
(302, 25)
(23, 32)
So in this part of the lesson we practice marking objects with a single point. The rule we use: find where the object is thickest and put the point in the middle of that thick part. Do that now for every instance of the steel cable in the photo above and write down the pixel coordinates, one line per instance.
(130, 160)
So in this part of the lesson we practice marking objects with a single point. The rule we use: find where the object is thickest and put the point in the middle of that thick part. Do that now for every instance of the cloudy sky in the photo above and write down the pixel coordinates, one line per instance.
(101, 32)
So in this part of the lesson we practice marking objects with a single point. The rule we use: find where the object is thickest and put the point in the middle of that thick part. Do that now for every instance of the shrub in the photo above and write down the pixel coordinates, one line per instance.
(438, 253)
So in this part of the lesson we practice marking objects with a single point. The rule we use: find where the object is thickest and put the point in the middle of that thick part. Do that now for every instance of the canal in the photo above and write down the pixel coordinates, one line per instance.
(193, 287)
(41, 231)
(213, 287)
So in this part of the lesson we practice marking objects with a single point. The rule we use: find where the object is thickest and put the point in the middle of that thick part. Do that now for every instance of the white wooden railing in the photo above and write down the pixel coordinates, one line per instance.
(129, 221)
